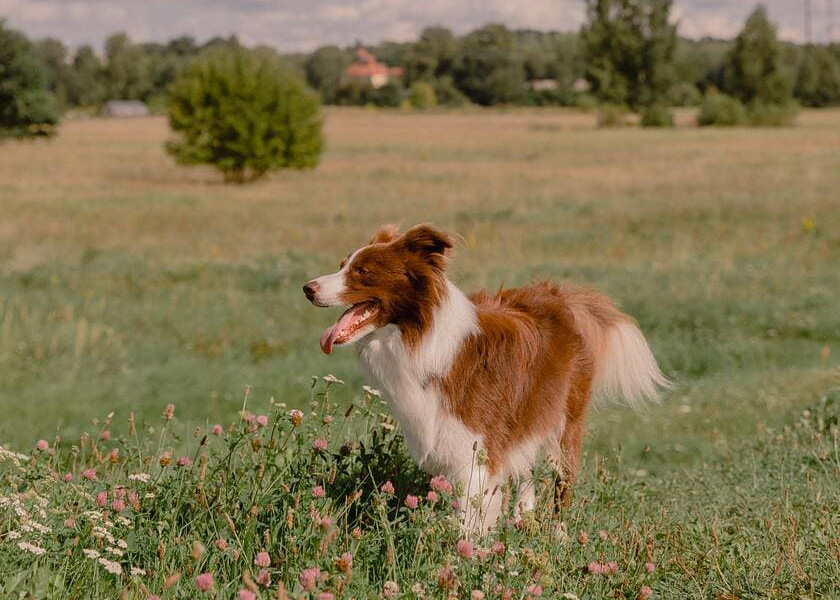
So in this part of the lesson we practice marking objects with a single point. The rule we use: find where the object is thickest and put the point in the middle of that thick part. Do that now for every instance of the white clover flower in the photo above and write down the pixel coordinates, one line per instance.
(92, 554)
(137, 572)
(115, 551)
(372, 391)
(13, 535)
(122, 544)
(144, 477)
(125, 522)
(36, 550)
(330, 378)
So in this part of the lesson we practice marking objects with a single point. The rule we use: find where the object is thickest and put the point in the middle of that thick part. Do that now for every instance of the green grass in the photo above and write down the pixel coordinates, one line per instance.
(127, 283)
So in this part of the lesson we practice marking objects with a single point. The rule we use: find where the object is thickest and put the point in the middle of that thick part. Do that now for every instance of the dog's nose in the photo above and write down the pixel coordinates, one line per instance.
(310, 289)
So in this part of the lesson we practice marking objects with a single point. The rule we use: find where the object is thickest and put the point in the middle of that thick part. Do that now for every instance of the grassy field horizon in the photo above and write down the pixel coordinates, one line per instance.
(128, 283)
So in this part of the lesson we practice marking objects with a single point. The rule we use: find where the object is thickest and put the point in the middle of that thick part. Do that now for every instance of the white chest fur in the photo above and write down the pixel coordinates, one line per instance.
(437, 440)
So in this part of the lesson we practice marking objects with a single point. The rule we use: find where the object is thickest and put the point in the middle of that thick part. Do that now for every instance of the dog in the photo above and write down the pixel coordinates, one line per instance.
(481, 385)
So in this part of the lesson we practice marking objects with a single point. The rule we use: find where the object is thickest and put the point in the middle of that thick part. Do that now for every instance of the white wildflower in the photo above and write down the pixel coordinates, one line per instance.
(137, 572)
(92, 554)
(125, 522)
(332, 379)
(36, 550)
(372, 391)
(115, 551)
(144, 477)
(111, 566)
(122, 544)
(14, 535)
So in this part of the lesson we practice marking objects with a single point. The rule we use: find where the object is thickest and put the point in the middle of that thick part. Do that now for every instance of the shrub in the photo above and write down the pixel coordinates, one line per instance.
(771, 115)
(612, 115)
(26, 107)
(421, 95)
(449, 95)
(684, 93)
(245, 114)
(657, 115)
(389, 95)
(720, 110)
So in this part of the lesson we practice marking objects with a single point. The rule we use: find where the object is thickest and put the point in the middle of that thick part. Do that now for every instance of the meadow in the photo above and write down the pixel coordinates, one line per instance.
(128, 284)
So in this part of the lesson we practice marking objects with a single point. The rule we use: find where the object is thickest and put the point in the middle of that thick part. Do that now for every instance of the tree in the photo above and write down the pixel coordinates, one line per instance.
(753, 70)
(629, 51)
(126, 75)
(26, 107)
(432, 56)
(58, 70)
(486, 69)
(818, 77)
(325, 69)
(245, 114)
(85, 88)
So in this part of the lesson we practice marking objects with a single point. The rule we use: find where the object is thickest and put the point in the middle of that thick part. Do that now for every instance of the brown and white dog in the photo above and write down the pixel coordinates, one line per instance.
(481, 384)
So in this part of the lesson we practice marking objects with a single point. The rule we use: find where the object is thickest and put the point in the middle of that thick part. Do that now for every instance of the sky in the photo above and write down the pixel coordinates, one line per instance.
(302, 25)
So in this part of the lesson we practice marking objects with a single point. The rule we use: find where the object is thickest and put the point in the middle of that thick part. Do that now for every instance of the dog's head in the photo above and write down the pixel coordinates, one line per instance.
(395, 279)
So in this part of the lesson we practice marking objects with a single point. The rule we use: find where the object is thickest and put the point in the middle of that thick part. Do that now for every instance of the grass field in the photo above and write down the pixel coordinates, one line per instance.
(127, 283)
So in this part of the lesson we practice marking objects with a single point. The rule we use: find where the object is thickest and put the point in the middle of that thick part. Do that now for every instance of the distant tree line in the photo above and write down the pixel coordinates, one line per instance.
(626, 55)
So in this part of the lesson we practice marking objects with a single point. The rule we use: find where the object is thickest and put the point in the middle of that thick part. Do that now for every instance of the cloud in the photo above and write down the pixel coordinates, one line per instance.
(305, 24)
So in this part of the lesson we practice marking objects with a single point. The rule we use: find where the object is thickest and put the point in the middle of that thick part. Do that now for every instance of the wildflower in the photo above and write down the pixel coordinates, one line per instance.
(92, 554)
(332, 379)
(142, 477)
(318, 491)
(165, 459)
(612, 567)
(411, 501)
(595, 567)
(645, 592)
(118, 504)
(111, 566)
(105, 435)
(197, 550)
(68, 477)
(264, 578)
(13, 535)
(221, 544)
(603, 535)
(325, 596)
(262, 420)
(295, 416)
(356, 533)
(89, 474)
(134, 500)
(246, 595)
(320, 444)
(70, 523)
(204, 582)
(217, 430)
(446, 578)
(372, 391)
(169, 412)
(262, 559)
(535, 589)
(309, 578)
(432, 496)
(43, 445)
(328, 419)
(185, 461)
(101, 499)
(476, 595)
(464, 549)
(583, 538)
(498, 548)
(137, 572)
(418, 590)
(440, 484)
(390, 589)
(36, 550)
(114, 456)
(649, 567)
(388, 487)
(345, 562)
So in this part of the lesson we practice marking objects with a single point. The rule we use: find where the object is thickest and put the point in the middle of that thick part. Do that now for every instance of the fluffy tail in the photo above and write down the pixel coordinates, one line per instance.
(625, 368)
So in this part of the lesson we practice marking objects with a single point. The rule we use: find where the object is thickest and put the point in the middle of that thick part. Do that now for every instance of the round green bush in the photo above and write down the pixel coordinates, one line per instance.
(771, 115)
(245, 114)
(720, 110)
(612, 115)
(657, 115)
(421, 95)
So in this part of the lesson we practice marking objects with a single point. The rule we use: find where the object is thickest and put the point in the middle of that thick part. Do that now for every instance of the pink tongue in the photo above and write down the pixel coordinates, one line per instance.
(331, 332)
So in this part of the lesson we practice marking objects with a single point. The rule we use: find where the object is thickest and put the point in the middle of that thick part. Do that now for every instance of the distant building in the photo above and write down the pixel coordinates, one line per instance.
(367, 69)
(542, 85)
(125, 108)
(581, 85)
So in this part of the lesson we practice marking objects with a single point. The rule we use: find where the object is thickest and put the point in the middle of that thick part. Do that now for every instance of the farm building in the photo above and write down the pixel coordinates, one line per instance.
(367, 69)
(125, 108)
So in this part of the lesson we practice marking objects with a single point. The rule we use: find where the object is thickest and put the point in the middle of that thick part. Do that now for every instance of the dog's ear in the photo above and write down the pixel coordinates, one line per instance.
(386, 234)
(429, 243)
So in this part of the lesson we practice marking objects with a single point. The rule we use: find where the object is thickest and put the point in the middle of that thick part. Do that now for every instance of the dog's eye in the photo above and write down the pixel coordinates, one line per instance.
(361, 271)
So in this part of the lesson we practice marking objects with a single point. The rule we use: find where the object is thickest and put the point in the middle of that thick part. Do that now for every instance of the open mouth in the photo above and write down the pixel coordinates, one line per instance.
(350, 322)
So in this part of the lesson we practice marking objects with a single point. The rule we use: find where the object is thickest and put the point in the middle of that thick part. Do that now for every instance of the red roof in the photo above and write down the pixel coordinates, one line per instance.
(366, 65)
